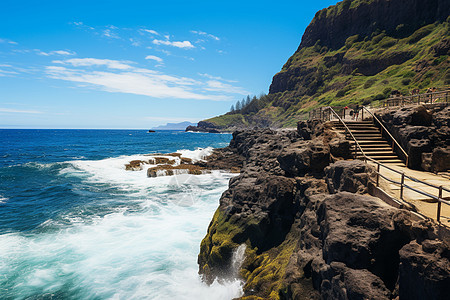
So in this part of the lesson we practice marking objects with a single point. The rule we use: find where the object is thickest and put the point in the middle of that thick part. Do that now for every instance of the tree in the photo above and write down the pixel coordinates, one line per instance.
(238, 105)
(247, 101)
(232, 108)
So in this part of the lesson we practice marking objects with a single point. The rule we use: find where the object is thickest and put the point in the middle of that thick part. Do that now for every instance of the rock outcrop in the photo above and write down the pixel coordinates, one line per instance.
(423, 132)
(312, 232)
(203, 126)
(331, 27)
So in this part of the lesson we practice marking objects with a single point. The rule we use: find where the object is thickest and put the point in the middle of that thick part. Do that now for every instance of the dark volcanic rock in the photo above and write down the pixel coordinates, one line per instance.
(420, 131)
(350, 176)
(440, 159)
(303, 243)
(203, 126)
(424, 270)
(304, 157)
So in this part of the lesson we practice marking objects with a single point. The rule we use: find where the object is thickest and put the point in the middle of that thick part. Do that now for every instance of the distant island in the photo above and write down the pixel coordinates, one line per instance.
(174, 126)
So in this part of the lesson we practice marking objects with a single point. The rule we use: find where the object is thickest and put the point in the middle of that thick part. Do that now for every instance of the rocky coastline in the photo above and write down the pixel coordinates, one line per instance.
(309, 228)
(423, 131)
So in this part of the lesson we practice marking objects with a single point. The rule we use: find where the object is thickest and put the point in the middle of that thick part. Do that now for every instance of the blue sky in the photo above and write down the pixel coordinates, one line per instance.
(138, 64)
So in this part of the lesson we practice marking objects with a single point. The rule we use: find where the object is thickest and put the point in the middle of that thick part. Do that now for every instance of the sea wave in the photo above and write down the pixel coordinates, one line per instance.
(112, 170)
(125, 254)
(3, 199)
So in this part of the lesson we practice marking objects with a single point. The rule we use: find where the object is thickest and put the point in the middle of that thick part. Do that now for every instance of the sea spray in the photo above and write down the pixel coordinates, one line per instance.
(238, 259)
(87, 228)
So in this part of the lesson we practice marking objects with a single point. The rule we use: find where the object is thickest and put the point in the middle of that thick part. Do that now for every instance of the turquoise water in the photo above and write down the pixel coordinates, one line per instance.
(75, 225)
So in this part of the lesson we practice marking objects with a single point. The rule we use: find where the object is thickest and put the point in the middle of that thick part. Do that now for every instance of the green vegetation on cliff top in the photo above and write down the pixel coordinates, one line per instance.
(364, 70)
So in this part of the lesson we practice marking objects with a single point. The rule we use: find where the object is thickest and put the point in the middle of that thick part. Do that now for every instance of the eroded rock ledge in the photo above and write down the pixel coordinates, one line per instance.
(311, 231)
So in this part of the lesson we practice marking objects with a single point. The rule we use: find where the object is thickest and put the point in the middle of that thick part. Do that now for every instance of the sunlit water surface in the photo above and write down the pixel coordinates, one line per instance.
(75, 225)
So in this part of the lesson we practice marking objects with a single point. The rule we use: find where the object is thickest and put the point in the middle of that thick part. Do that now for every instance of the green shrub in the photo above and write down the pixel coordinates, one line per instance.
(376, 39)
(387, 91)
(369, 82)
(379, 97)
(409, 74)
(406, 81)
(341, 93)
(351, 40)
(420, 34)
(387, 42)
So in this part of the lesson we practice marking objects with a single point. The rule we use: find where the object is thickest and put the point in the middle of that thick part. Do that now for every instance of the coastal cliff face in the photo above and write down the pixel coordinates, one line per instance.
(332, 26)
(355, 52)
(310, 230)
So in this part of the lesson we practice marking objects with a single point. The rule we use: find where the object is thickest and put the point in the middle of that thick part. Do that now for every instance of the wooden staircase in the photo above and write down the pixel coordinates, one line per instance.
(370, 139)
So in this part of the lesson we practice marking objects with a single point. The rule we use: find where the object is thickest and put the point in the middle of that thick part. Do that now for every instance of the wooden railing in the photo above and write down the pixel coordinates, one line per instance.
(425, 98)
(328, 113)
(393, 140)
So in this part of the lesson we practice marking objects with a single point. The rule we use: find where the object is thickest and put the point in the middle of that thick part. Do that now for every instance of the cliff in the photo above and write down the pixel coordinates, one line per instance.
(301, 219)
(355, 52)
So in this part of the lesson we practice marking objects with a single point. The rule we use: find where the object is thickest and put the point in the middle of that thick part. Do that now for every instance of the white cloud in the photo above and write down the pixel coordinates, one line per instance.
(184, 44)
(217, 86)
(90, 62)
(8, 42)
(155, 58)
(205, 34)
(216, 77)
(56, 52)
(8, 110)
(82, 25)
(125, 78)
(151, 31)
(135, 42)
(110, 34)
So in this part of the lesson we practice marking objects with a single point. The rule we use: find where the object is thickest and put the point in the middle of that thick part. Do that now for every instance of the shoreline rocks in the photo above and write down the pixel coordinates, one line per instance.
(310, 229)
(423, 133)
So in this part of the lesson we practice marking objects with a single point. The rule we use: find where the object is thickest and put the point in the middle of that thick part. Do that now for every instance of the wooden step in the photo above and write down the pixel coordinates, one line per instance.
(372, 143)
(382, 157)
(373, 146)
(381, 151)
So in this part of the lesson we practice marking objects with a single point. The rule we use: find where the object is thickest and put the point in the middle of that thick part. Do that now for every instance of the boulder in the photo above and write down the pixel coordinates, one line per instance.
(424, 270)
(163, 160)
(348, 175)
(441, 159)
(415, 150)
(340, 148)
(134, 165)
(304, 157)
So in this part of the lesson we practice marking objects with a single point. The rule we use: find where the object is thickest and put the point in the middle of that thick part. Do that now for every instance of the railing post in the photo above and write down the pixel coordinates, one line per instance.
(378, 175)
(439, 205)
(401, 186)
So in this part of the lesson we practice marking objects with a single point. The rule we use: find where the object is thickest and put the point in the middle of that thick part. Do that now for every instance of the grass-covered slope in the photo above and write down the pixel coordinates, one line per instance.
(355, 52)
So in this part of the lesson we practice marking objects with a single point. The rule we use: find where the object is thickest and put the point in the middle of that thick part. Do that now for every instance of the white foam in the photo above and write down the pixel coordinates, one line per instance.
(122, 255)
(132, 253)
(3, 199)
(197, 154)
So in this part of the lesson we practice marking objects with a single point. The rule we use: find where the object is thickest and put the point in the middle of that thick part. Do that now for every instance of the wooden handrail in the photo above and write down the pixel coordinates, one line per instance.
(387, 131)
(349, 131)
(438, 198)
(410, 98)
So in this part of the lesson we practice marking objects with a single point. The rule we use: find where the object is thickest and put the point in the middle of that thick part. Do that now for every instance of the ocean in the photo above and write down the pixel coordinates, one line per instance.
(74, 224)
